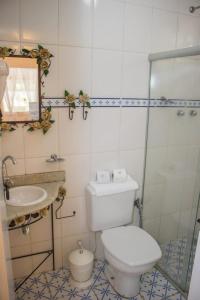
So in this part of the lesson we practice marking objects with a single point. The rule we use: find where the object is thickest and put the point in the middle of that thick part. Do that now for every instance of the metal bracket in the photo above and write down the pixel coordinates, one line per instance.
(60, 198)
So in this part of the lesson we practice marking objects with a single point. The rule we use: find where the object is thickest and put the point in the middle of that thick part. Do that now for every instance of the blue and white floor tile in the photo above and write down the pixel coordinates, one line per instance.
(55, 285)
(173, 259)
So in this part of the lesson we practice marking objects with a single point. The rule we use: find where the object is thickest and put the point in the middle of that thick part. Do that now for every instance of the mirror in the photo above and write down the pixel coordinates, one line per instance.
(22, 96)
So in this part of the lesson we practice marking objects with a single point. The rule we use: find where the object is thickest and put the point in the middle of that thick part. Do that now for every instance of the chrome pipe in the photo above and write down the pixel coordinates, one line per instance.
(192, 9)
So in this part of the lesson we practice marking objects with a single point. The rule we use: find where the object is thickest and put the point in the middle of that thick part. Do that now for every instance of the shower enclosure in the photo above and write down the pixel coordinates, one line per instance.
(172, 169)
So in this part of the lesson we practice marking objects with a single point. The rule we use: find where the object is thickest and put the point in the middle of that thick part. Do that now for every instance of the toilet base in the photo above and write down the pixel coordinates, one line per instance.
(127, 285)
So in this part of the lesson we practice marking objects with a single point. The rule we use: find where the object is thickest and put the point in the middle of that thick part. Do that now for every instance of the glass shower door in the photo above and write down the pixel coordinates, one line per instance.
(172, 183)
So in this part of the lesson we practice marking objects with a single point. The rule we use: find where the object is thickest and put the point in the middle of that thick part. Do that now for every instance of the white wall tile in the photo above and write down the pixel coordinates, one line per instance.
(106, 74)
(172, 5)
(78, 224)
(156, 165)
(39, 165)
(178, 128)
(158, 135)
(105, 126)
(9, 20)
(169, 228)
(135, 75)
(39, 20)
(164, 30)
(152, 227)
(77, 174)
(188, 31)
(141, 2)
(17, 169)
(16, 139)
(74, 69)
(108, 24)
(75, 22)
(39, 145)
(104, 161)
(74, 135)
(153, 199)
(133, 162)
(132, 128)
(138, 23)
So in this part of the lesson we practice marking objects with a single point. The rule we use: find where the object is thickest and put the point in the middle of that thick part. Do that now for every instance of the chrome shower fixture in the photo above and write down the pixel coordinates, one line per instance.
(193, 8)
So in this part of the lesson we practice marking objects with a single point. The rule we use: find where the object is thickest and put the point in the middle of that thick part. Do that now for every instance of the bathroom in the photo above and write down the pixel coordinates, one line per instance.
(105, 131)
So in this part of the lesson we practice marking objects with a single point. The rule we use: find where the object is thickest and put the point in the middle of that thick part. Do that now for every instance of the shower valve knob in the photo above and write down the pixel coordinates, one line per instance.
(193, 113)
(180, 113)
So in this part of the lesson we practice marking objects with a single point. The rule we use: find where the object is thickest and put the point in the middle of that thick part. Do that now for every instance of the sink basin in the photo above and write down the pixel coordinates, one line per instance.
(26, 195)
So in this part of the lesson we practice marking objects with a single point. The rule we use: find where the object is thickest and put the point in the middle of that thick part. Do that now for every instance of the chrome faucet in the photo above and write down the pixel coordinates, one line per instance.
(7, 182)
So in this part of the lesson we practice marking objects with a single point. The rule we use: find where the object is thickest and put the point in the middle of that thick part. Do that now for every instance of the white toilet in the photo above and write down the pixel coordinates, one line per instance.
(129, 250)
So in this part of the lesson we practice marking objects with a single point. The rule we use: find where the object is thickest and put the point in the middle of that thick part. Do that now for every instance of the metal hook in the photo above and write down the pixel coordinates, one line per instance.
(71, 113)
(85, 113)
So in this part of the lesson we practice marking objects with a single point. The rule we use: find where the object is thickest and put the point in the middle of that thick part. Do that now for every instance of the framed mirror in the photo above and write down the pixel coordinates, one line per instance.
(21, 100)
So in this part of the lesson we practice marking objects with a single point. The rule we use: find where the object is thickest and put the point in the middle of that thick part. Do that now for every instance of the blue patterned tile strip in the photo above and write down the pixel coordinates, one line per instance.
(125, 102)
(55, 285)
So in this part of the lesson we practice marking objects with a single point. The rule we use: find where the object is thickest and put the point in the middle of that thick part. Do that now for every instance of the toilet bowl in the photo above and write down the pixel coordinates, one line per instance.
(130, 251)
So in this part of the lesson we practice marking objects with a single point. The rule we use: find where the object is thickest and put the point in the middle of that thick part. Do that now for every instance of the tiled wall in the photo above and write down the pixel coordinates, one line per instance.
(102, 48)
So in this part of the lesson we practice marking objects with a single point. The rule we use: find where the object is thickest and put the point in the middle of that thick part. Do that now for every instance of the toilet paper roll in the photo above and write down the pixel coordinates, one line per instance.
(103, 176)
(119, 175)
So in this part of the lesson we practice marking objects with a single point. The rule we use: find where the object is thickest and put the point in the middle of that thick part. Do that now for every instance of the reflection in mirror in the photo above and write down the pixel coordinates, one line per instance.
(21, 100)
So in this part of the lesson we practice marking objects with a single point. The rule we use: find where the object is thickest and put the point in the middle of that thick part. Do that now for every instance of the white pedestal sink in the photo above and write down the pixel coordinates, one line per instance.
(26, 195)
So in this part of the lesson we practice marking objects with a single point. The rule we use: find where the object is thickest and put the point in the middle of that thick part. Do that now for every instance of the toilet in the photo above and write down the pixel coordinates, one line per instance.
(129, 250)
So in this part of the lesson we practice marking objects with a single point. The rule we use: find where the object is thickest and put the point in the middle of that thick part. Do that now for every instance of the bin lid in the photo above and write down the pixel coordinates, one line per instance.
(100, 189)
(81, 257)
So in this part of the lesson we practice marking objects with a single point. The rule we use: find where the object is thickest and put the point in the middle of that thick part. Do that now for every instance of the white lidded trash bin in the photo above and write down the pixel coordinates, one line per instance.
(81, 266)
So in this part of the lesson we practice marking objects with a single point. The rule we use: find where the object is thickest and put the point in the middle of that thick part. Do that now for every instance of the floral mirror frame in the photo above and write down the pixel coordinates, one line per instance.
(43, 57)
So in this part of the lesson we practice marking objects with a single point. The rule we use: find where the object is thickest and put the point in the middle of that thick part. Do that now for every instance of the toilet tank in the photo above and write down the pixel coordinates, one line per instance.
(110, 205)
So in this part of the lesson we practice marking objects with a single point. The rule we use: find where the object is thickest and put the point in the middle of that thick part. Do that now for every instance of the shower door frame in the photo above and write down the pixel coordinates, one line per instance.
(191, 51)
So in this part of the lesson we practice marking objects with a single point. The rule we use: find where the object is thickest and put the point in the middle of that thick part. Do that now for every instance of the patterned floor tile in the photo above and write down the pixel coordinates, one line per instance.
(55, 285)
(176, 297)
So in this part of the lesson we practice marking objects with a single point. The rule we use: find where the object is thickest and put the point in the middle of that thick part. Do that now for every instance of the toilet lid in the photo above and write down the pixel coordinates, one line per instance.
(131, 245)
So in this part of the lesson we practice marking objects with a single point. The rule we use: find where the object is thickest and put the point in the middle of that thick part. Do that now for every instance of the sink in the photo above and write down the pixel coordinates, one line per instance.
(26, 195)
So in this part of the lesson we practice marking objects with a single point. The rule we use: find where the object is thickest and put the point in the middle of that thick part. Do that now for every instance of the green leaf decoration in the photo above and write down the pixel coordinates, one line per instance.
(81, 93)
(73, 104)
(46, 72)
(40, 47)
(66, 93)
(88, 104)
(30, 129)
(25, 51)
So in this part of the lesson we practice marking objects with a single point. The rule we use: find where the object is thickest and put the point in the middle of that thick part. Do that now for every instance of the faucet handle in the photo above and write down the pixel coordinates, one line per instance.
(8, 182)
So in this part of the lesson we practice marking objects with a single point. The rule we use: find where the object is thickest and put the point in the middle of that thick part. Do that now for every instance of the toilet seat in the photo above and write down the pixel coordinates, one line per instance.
(131, 245)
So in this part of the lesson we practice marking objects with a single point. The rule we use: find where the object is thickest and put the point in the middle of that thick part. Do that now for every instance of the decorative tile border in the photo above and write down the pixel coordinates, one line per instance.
(125, 102)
